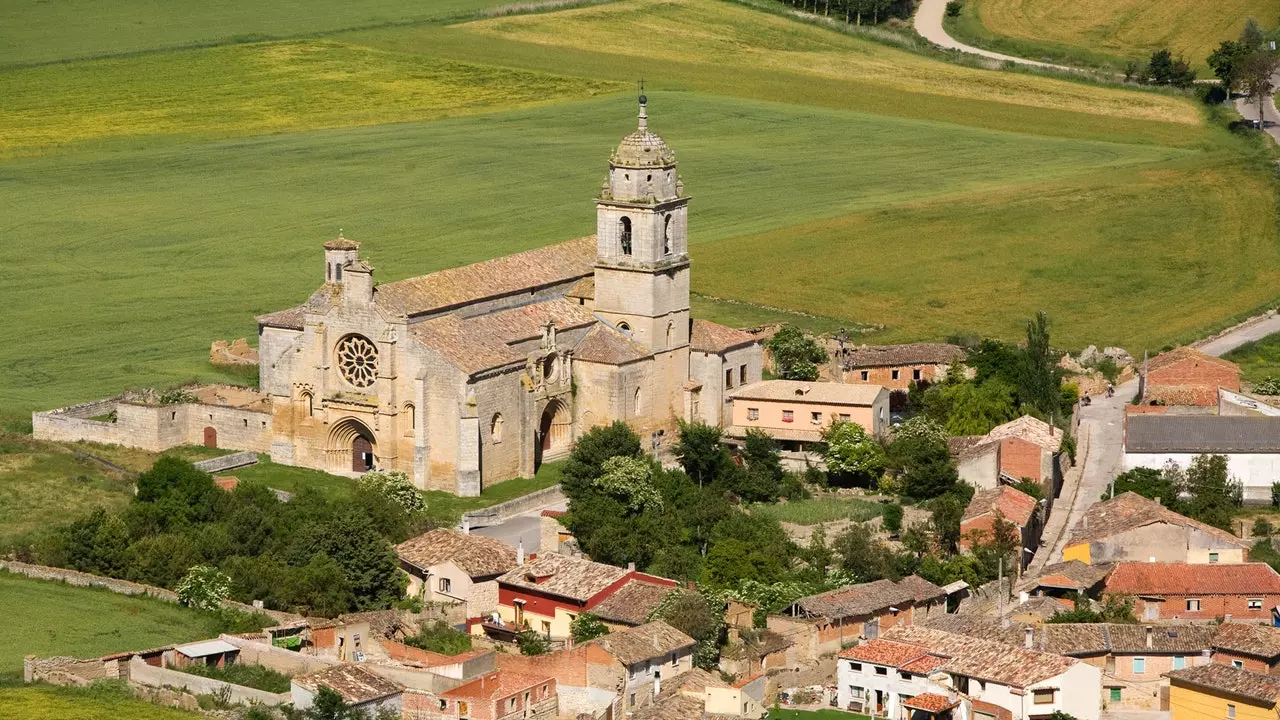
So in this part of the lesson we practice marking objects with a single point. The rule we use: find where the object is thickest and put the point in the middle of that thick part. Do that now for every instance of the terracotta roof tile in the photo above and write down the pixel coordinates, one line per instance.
(857, 600)
(496, 685)
(644, 642)
(1181, 639)
(484, 342)
(921, 589)
(569, 577)
(476, 555)
(631, 603)
(602, 344)
(1139, 578)
(1229, 680)
(1015, 505)
(931, 702)
(710, 337)
(1069, 575)
(1031, 429)
(925, 664)
(884, 652)
(981, 658)
(1262, 641)
(559, 263)
(868, 356)
(292, 319)
(1179, 354)
(355, 684)
(1130, 510)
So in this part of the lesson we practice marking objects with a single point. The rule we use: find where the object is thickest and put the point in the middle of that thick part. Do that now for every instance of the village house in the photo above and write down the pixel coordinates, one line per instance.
(1010, 506)
(548, 593)
(501, 695)
(649, 654)
(553, 536)
(896, 367)
(451, 566)
(862, 611)
(1064, 581)
(1130, 527)
(721, 359)
(698, 694)
(1185, 591)
(1023, 449)
(1221, 691)
(359, 688)
(994, 678)
(1186, 376)
(795, 412)
(1251, 445)
(1248, 646)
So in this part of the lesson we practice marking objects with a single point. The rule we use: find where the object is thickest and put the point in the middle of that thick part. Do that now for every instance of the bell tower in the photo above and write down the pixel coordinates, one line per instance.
(642, 251)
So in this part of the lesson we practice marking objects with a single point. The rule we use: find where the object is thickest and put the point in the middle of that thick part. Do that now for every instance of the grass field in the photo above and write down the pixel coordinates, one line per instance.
(42, 484)
(104, 701)
(1107, 32)
(166, 197)
(821, 510)
(49, 618)
(1259, 359)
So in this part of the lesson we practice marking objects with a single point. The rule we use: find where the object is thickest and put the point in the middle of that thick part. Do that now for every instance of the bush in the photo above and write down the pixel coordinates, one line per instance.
(893, 518)
(395, 486)
(953, 8)
(440, 638)
(531, 643)
(587, 627)
(1269, 386)
(246, 674)
(204, 588)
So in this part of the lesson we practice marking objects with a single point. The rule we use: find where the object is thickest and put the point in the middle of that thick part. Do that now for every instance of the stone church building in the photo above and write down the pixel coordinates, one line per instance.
(473, 375)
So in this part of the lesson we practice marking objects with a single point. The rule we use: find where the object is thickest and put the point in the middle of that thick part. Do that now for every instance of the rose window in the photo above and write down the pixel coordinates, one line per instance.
(357, 360)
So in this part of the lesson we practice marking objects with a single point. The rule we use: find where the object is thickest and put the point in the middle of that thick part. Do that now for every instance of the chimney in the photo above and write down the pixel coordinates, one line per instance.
(1157, 499)
(466, 525)
(519, 552)
(1150, 636)
(657, 682)
(1028, 637)
(631, 567)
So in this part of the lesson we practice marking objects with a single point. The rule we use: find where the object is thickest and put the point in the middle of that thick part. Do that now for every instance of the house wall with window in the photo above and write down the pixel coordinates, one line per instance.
(1245, 662)
(1076, 692)
(1206, 607)
(643, 678)
(1136, 682)
(896, 377)
(799, 415)
(880, 689)
(1194, 703)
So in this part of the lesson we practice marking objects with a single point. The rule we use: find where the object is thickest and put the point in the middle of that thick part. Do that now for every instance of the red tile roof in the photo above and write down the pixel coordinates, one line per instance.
(883, 652)
(1016, 506)
(931, 702)
(1136, 578)
(1130, 510)
(925, 665)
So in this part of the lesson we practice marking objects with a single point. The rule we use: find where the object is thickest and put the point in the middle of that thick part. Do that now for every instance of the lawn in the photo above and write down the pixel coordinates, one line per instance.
(49, 618)
(103, 701)
(824, 714)
(1259, 359)
(820, 510)
(1107, 32)
(42, 484)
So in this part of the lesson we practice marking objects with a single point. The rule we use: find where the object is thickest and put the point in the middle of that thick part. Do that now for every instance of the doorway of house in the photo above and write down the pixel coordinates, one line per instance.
(211, 437)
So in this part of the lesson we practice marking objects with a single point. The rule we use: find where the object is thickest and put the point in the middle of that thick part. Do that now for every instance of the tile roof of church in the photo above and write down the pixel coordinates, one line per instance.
(706, 336)
(480, 343)
(605, 345)
(504, 275)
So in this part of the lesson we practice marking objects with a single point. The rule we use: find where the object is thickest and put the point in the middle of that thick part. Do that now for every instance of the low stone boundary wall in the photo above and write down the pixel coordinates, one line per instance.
(124, 587)
(144, 674)
(502, 512)
(228, 462)
(255, 652)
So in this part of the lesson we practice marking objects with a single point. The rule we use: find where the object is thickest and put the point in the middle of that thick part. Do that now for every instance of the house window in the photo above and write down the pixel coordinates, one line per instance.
(753, 413)
(904, 675)
(1237, 664)
(1231, 711)
(544, 690)
(895, 374)
(1213, 557)
(511, 704)
(1179, 662)
(446, 585)
(815, 418)
(675, 659)
(742, 374)
(464, 708)
(865, 375)
(856, 667)
(1042, 697)
(1139, 665)
(1255, 603)
(632, 700)
(882, 670)
(788, 416)
(845, 417)
(728, 378)
(443, 704)
(1193, 605)
(915, 374)
(546, 627)
(1115, 694)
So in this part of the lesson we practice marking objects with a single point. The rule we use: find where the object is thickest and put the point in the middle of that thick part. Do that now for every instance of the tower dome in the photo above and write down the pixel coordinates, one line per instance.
(643, 148)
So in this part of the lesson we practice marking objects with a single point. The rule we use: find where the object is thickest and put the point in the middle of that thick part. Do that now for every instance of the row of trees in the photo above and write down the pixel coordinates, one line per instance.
(859, 11)
(1247, 64)
(1203, 491)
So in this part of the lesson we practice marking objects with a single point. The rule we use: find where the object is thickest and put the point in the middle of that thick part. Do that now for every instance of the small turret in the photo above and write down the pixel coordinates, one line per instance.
(337, 254)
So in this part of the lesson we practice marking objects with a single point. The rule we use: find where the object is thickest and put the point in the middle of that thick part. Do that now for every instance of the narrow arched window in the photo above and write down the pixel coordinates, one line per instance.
(308, 404)
(636, 411)
(624, 235)
(328, 272)
(666, 236)
(412, 425)
(337, 273)
(671, 332)
(495, 427)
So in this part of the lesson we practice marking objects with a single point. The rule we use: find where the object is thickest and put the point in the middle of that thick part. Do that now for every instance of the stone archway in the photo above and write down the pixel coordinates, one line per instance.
(554, 432)
(352, 447)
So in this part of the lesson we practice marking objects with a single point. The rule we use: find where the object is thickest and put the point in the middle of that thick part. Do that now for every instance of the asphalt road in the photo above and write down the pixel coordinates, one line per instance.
(522, 528)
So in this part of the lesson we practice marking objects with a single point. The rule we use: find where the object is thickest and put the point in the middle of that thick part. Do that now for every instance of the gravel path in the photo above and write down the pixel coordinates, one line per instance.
(928, 23)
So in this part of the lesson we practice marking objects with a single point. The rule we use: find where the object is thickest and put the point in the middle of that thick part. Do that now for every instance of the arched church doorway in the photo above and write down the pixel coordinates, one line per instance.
(352, 447)
(211, 437)
(554, 433)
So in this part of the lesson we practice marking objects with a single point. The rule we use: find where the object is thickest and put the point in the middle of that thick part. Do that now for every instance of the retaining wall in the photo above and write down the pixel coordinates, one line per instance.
(517, 506)
(142, 673)
(255, 652)
(228, 462)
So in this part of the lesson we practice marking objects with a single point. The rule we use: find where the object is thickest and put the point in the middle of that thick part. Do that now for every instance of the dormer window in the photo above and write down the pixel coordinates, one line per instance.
(624, 235)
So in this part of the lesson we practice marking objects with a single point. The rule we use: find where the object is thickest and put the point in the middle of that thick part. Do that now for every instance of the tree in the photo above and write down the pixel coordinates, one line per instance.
(329, 705)
(795, 354)
(587, 627)
(851, 452)
(531, 643)
(592, 449)
(630, 480)
(916, 540)
(1029, 487)
(819, 555)
(893, 518)
(1164, 69)
(1226, 62)
(1039, 377)
(1263, 528)
(1147, 482)
(971, 409)
(920, 427)
(1251, 36)
(862, 556)
(701, 454)
(923, 465)
(1254, 74)
(764, 475)
(954, 7)
(204, 588)
(947, 513)
(1214, 497)
(697, 616)
(396, 486)
(1275, 494)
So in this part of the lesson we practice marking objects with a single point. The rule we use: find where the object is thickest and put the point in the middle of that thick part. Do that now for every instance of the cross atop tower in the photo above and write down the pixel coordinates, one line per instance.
(644, 116)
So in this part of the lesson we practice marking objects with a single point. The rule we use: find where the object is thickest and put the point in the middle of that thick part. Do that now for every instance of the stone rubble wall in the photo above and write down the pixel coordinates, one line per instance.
(144, 674)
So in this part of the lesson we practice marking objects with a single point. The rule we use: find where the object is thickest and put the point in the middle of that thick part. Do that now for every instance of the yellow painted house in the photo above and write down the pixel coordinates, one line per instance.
(1221, 692)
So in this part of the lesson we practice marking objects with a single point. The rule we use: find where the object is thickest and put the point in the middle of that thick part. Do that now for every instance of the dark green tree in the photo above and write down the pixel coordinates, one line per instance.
(795, 355)
(697, 616)
(947, 511)
(923, 465)
(531, 643)
(862, 556)
(1226, 62)
(1039, 377)
(893, 518)
(592, 449)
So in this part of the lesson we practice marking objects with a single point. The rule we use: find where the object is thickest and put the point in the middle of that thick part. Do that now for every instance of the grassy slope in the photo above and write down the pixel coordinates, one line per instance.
(42, 484)
(48, 618)
(1107, 32)
(69, 703)
(1259, 359)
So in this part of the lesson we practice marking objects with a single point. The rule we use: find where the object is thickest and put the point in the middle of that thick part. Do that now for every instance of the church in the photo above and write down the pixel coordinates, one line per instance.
(474, 375)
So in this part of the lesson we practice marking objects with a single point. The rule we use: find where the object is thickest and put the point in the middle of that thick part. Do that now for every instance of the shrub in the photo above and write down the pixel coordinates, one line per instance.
(954, 7)
(531, 643)
(204, 587)
(395, 486)
(440, 638)
(246, 674)
(1269, 386)
(587, 627)
(893, 518)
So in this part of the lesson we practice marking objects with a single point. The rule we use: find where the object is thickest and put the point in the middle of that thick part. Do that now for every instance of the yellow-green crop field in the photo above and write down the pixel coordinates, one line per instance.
(1108, 32)
(162, 186)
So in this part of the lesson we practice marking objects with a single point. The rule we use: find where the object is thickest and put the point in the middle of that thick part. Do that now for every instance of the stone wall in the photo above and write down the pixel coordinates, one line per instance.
(154, 427)
(68, 670)
(255, 652)
(517, 506)
(144, 674)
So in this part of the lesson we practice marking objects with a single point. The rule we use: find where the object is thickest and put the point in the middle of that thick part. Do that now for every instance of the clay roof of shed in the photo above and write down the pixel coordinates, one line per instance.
(1161, 433)
(827, 393)
(1016, 506)
(922, 589)
(930, 702)
(1130, 510)
(631, 603)
(677, 706)
(909, 354)
(982, 626)
(476, 555)
(706, 336)
(982, 658)
(1031, 429)
(574, 578)
(1069, 575)
(855, 600)
(696, 680)
(656, 639)
(355, 684)
(607, 346)
(496, 685)
(1261, 641)
(1180, 354)
(1229, 680)
(292, 319)
(500, 276)
(1139, 578)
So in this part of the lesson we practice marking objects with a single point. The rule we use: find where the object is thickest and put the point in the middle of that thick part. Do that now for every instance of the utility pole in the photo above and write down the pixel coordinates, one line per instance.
(1000, 589)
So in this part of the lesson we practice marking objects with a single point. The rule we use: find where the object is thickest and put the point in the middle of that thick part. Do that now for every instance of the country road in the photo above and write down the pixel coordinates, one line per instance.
(928, 23)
